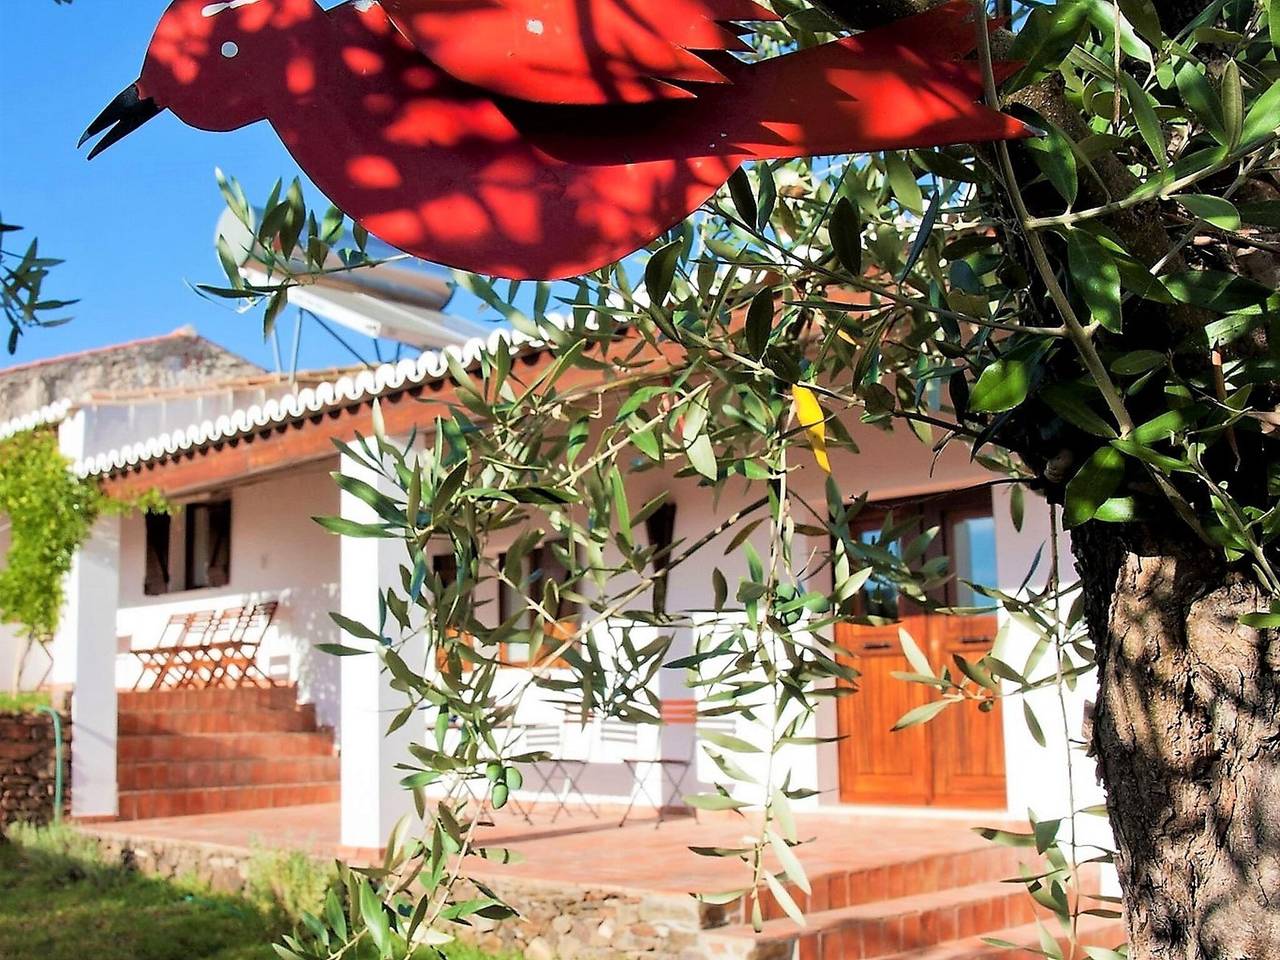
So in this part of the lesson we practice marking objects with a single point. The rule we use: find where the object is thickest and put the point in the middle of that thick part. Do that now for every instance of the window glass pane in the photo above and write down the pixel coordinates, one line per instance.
(208, 545)
(219, 544)
(197, 547)
(511, 601)
(879, 595)
(973, 557)
(661, 529)
(445, 566)
(547, 566)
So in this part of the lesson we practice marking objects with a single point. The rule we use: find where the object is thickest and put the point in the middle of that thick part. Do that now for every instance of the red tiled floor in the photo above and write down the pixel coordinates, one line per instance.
(569, 850)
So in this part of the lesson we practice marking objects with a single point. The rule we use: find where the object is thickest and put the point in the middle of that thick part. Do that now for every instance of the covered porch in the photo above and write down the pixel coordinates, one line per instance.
(163, 736)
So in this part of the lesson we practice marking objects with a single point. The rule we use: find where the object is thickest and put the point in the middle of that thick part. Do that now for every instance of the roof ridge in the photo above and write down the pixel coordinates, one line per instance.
(187, 330)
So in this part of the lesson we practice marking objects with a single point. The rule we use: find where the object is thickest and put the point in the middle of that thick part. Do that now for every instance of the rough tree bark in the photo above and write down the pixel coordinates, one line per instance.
(1187, 734)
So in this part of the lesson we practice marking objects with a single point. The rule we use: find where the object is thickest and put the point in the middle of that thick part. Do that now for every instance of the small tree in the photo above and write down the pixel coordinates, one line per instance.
(1092, 314)
(49, 512)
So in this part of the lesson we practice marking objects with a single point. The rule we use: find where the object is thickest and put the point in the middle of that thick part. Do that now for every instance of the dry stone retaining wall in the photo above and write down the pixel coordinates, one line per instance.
(222, 869)
(28, 767)
(564, 922)
(557, 921)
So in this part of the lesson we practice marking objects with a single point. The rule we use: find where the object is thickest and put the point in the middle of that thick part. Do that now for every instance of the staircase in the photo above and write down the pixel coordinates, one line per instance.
(184, 752)
(936, 908)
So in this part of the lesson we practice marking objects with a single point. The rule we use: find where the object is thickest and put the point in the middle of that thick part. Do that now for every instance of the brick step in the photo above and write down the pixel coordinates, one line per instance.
(889, 926)
(224, 746)
(146, 804)
(835, 889)
(1091, 932)
(299, 719)
(283, 697)
(187, 774)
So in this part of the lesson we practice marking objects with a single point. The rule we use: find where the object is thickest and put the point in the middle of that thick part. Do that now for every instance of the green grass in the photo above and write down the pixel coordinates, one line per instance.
(22, 702)
(60, 901)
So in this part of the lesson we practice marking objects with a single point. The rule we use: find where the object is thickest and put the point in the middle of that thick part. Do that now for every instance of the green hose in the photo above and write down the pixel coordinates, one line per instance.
(57, 756)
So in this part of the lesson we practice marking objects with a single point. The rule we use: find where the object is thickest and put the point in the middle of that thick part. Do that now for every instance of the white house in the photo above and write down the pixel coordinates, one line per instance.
(248, 478)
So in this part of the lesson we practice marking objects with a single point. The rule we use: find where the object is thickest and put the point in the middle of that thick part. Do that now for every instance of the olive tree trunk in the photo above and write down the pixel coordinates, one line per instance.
(1186, 732)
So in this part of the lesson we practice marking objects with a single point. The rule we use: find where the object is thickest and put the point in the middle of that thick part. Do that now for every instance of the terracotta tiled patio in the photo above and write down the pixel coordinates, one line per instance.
(901, 887)
(590, 850)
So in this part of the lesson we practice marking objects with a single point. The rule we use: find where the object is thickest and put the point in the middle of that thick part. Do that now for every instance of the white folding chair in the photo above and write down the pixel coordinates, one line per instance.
(623, 738)
(549, 739)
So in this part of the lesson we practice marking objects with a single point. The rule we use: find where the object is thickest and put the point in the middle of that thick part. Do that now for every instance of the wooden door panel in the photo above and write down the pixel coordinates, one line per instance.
(878, 765)
(967, 743)
(955, 760)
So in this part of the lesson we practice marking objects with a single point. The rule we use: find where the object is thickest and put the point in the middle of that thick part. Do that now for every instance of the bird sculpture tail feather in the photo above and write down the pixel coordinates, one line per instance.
(897, 87)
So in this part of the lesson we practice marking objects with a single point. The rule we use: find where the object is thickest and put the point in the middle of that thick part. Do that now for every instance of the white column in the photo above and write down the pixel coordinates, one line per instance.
(372, 798)
(85, 660)
(84, 646)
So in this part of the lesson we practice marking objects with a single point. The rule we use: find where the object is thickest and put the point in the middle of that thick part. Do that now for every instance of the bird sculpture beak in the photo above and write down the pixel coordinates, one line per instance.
(123, 115)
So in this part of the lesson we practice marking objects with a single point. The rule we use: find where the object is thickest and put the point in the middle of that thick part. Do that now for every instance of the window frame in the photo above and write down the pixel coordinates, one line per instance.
(531, 563)
(942, 510)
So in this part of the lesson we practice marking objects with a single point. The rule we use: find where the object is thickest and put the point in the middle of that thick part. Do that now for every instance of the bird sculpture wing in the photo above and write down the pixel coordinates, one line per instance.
(578, 51)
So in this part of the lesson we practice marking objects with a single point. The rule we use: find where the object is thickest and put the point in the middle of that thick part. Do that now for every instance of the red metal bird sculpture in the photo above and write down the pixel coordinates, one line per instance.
(545, 138)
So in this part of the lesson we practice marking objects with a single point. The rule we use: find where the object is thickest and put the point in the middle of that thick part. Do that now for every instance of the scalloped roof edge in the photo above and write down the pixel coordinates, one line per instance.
(428, 367)
(50, 413)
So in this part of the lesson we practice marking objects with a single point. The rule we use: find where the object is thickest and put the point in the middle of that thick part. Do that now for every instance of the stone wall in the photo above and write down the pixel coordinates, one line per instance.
(222, 869)
(28, 767)
(558, 921)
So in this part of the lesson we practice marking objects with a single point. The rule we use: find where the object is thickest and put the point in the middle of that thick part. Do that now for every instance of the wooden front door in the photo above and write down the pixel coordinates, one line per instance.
(956, 759)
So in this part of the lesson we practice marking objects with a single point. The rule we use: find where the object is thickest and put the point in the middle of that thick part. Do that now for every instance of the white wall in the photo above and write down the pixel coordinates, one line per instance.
(36, 666)
(1044, 779)
(12, 641)
(277, 553)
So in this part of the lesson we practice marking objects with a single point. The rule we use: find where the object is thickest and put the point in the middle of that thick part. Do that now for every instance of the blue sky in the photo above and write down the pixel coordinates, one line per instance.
(136, 225)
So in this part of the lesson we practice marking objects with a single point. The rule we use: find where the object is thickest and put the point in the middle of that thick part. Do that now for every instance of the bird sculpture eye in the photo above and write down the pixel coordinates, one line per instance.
(230, 49)
(212, 9)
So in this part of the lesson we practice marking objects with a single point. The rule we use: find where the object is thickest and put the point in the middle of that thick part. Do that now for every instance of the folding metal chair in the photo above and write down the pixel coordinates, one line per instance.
(192, 662)
(172, 659)
(549, 739)
(158, 659)
(625, 738)
(237, 637)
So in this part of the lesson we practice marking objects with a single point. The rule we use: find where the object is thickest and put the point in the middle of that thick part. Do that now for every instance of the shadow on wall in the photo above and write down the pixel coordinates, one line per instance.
(305, 623)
